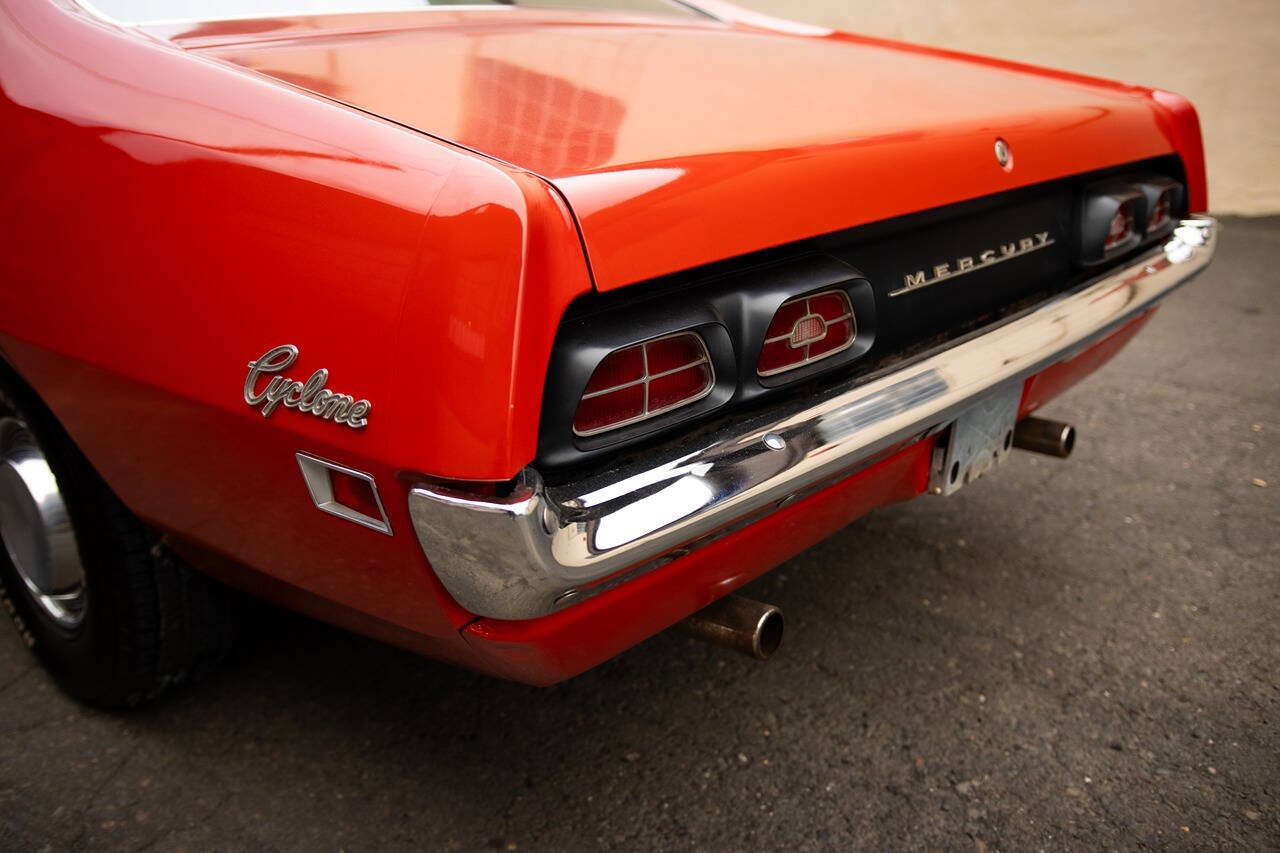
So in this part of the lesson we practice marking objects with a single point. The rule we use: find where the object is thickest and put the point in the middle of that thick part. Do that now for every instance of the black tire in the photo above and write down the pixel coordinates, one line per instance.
(149, 620)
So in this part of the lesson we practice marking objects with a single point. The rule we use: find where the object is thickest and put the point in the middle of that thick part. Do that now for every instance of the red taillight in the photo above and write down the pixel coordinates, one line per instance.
(806, 329)
(1121, 227)
(644, 380)
(1160, 212)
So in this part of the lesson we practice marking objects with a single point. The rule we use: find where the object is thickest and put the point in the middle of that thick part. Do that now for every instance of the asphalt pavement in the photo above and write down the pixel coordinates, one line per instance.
(1080, 654)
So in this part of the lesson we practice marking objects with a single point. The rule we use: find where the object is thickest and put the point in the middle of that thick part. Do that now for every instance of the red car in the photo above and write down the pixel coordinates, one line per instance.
(515, 336)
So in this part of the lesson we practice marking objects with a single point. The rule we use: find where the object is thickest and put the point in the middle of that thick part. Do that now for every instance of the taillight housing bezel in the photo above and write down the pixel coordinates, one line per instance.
(1153, 187)
(1100, 202)
(1099, 206)
(581, 347)
(731, 312)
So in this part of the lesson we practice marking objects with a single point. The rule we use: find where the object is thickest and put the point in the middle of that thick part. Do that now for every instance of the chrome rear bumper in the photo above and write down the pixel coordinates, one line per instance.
(541, 548)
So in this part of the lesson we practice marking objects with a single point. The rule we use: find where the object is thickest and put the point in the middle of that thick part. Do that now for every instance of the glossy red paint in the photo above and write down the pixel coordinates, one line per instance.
(176, 201)
(668, 167)
(1181, 124)
(1052, 381)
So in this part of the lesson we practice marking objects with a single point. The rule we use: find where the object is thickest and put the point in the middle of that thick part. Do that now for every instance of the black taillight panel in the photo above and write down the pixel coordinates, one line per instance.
(1102, 206)
(732, 314)
(792, 320)
(1120, 214)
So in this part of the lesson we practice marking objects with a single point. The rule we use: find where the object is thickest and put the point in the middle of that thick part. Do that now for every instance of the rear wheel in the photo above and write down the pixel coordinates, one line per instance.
(112, 614)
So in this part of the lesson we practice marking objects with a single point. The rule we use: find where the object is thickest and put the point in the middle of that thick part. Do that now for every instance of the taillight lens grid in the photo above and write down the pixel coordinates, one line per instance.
(1121, 227)
(644, 380)
(807, 329)
(1161, 212)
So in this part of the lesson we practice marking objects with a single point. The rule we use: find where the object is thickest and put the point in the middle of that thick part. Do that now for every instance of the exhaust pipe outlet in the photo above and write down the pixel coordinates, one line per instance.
(1052, 438)
(737, 623)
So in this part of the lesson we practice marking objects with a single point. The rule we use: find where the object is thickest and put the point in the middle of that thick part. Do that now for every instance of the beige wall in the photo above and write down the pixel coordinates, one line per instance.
(1222, 54)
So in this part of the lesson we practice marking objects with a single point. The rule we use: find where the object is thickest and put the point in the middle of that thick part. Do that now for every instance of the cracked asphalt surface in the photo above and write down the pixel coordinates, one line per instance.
(1079, 654)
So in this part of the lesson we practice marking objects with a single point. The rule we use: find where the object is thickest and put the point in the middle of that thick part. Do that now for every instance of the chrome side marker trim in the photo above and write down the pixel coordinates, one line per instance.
(318, 475)
(541, 548)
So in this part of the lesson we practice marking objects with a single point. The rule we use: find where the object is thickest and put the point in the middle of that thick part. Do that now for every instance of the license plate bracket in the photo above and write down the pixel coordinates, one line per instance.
(977, 441)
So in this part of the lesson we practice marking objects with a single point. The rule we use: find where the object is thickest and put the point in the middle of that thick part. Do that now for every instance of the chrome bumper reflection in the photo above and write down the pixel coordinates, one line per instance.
(542, 548)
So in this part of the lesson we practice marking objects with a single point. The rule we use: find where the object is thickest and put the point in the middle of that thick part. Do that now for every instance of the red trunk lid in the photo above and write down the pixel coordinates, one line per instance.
(681, 142)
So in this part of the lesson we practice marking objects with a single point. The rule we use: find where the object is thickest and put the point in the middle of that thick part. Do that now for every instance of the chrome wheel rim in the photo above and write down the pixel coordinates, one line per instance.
(36, 528)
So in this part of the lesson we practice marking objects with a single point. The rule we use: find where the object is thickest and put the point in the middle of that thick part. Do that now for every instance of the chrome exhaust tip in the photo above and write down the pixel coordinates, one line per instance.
(1052, 438)
(746, 626)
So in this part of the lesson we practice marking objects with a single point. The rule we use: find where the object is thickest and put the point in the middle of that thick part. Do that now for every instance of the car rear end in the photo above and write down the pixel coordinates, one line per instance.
(702, 427)
(665, 331)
